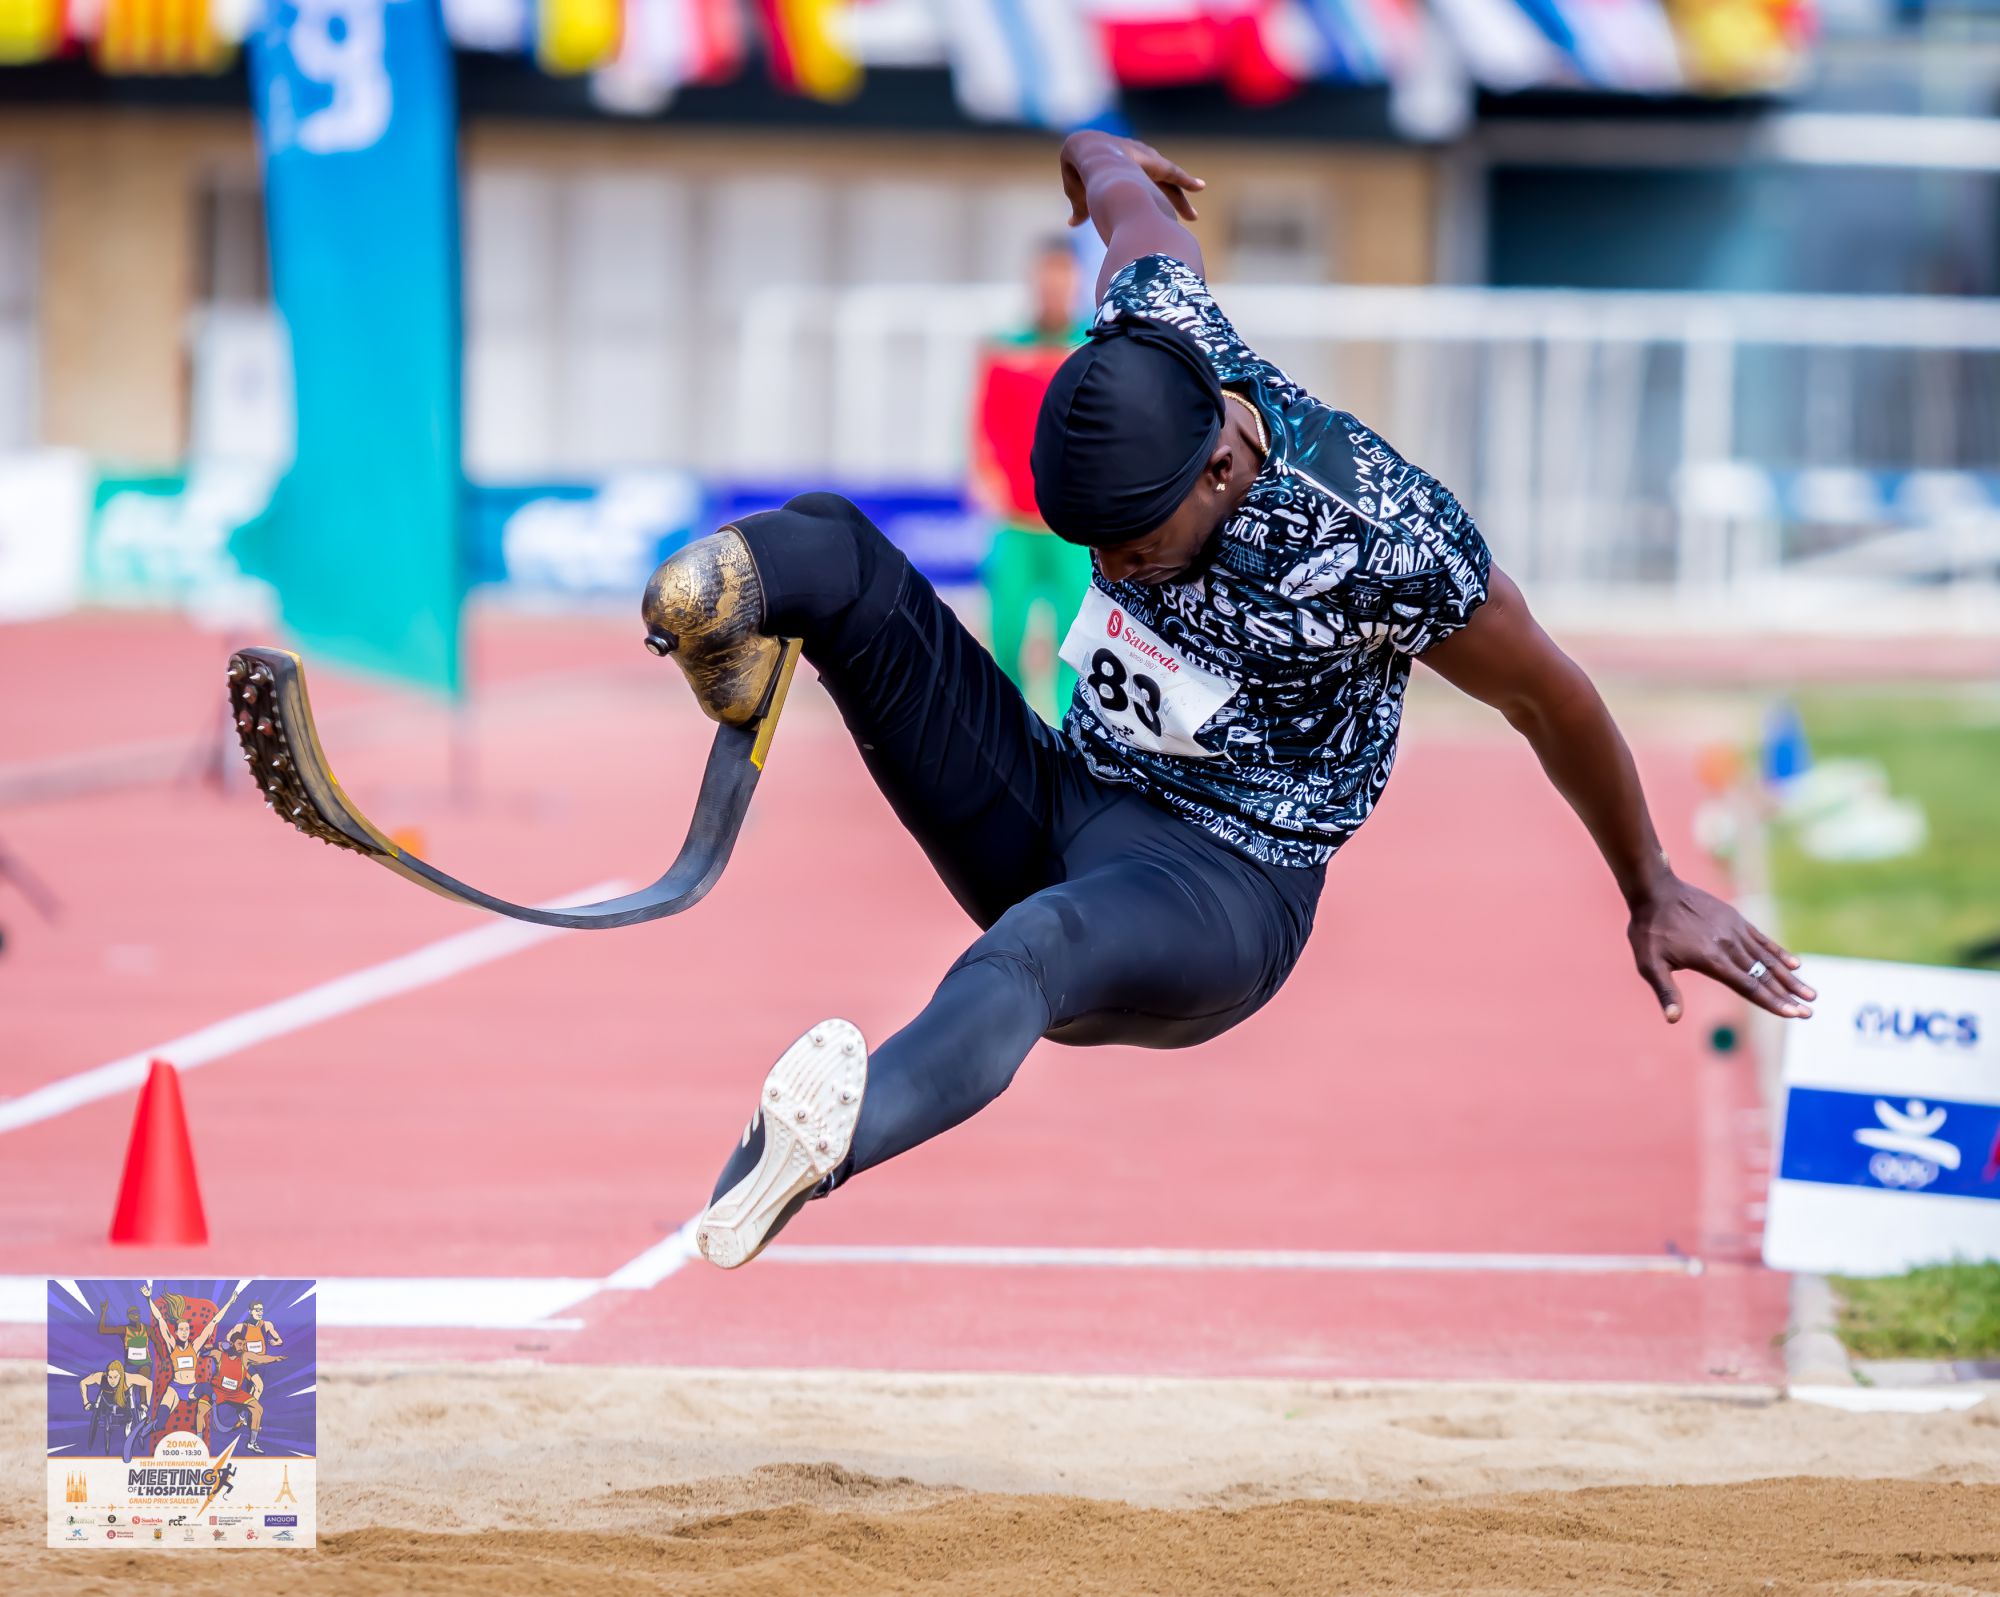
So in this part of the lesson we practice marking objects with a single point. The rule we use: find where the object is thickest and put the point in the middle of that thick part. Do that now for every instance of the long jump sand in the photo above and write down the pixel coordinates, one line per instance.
(499, 1478)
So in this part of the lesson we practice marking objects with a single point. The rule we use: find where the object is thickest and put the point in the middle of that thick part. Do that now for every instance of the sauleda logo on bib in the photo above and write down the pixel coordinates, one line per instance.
(1115, 625)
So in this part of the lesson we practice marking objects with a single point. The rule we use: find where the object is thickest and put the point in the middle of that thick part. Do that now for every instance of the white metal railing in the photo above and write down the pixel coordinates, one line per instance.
(1595, 435)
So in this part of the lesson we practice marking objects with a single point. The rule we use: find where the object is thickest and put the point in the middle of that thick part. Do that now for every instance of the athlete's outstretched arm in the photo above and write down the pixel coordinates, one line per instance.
(1502, 657)
(1137, 198)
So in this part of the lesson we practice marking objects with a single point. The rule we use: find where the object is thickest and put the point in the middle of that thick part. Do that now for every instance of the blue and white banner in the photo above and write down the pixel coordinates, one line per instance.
(1889, 1155)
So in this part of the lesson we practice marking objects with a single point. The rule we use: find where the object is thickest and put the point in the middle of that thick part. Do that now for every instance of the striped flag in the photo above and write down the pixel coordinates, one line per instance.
(1627, 44)
(1035, 61)
(807, 53)
(573, 36)
(160, 36)
(667, 43)
(1614, 44)
(1502, 47)
(30, 30)
(1368, 41)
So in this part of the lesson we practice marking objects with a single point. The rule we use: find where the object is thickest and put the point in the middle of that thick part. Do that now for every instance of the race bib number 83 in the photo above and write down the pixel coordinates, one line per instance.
(1148, 693)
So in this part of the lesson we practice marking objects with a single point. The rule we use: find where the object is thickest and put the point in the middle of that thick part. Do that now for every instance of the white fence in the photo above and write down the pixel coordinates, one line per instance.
(1762, 454)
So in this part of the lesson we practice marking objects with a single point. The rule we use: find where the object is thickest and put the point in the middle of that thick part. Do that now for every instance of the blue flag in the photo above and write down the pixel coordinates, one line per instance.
(358, 122)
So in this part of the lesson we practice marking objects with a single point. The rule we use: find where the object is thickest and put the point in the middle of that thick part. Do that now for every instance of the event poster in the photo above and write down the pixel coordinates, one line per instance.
(181, 1413)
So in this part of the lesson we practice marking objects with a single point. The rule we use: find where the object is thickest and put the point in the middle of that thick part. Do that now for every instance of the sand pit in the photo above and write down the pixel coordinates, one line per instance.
(569, 1480)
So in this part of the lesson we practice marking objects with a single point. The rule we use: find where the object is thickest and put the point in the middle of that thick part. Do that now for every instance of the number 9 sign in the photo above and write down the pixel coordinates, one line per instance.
(341, 44)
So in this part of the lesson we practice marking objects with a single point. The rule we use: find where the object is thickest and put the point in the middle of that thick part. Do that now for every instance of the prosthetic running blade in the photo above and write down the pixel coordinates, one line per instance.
(274, 723)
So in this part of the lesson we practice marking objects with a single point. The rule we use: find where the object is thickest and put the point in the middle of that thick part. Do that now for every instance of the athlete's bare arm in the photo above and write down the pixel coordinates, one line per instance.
(159, 1319)
(208, 1330)
(87, 1383)
(1137, 198)
(264, 1358)
(1502, 657)
(104, 1325)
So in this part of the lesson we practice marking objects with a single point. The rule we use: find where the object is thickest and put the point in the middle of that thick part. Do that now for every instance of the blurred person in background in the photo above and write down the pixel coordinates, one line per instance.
(1026, 565)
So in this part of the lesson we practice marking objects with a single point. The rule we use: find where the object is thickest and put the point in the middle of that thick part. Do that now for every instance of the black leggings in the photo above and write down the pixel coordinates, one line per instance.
(1105, 918)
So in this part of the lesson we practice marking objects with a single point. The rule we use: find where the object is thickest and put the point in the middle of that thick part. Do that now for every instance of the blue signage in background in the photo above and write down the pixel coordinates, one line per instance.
(943, 537)
(357, 117)
(602, 539)
(1901, 1144)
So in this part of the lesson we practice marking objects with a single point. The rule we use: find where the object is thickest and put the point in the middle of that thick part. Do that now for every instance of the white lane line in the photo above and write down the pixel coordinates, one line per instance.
(1889, 1399)
(1000, 1258)
(456, 1303)
(501, 1303)
(435, 962)
(661, 1260)
(522, 1303)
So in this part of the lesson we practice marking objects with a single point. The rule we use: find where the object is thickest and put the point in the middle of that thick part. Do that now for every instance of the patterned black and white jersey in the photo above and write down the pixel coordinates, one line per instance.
(1295, 641)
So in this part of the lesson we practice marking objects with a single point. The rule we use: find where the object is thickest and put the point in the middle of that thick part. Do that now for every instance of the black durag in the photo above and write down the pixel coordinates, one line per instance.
(1125, 429)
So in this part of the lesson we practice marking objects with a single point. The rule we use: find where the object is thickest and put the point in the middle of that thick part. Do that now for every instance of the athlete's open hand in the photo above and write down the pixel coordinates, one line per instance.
(1683, 928)
(1082, 151)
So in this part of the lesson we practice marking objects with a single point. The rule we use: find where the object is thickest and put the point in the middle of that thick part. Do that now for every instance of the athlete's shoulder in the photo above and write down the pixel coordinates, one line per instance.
(1161, 288)
(1387, 541)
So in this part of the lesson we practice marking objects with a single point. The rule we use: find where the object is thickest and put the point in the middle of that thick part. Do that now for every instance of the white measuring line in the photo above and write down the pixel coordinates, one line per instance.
(1006, 1258)
(533, 1303)
(454, 1303)
(435, 962)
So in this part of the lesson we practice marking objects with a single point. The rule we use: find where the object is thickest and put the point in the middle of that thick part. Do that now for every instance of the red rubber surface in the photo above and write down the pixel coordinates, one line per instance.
(1463, 1062)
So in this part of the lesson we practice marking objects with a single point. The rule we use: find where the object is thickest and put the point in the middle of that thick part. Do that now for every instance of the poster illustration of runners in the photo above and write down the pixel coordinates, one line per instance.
(181, 1413)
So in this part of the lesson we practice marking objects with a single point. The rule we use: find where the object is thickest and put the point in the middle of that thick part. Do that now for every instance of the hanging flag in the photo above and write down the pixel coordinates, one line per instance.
(807, 53)
(30, 30)
(1367, 41)
(1610, 44)
(357, 117)
(1625, 44)
(160, 37)
(1261, 50)
(1156, 43)
(1035, 61)
(1743, 46)
(665, 44)
(1502, 47)
(573, 36)
(496, 27)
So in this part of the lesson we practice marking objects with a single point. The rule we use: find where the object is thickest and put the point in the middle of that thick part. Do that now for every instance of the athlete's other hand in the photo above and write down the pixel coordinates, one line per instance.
(1079, 149)
(1680, 927)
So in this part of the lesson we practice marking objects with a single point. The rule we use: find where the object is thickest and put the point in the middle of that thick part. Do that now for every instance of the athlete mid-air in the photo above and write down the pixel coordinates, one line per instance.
(1266, 568)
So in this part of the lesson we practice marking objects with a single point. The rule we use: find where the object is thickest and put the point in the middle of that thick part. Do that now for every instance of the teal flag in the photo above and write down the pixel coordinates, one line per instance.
(357, 117)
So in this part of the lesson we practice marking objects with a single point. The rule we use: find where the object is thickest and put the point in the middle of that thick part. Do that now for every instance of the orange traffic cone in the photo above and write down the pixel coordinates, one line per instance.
(159, 1197)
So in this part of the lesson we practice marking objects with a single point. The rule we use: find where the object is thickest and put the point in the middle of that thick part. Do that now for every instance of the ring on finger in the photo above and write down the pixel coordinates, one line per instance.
(1759, 970)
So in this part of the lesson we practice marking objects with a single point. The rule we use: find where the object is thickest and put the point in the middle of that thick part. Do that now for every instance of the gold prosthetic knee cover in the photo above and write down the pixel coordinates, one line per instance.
(705, 606)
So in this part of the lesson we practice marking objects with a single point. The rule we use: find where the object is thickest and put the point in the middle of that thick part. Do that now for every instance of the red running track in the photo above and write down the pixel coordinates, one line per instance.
(1462, 1064)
